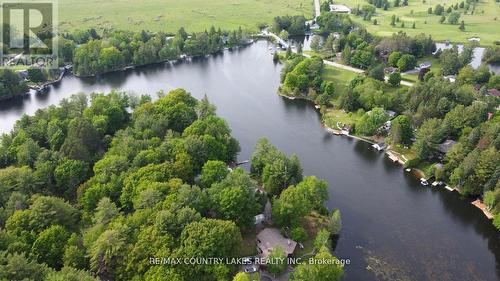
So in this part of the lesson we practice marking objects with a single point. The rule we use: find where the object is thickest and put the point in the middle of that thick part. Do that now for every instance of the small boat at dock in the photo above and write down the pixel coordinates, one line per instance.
(424, 182)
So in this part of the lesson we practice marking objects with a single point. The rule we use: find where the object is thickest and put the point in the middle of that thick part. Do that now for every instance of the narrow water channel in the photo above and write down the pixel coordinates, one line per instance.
(391, 224)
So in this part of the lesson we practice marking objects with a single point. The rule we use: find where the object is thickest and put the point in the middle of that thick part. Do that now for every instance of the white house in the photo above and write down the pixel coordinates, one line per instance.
(338, 8)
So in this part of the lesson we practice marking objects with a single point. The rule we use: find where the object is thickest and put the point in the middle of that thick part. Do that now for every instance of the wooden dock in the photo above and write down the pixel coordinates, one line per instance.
(449, 188)
(483, 208)
(333, 131)
(393, 157)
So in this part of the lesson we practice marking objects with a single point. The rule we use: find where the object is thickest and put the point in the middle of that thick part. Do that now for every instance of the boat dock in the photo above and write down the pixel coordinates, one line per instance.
(483, 208)
(43, 87)
(449, 188)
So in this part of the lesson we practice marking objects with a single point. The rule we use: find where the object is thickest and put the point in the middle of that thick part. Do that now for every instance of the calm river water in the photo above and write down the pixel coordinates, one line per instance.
(391, 224)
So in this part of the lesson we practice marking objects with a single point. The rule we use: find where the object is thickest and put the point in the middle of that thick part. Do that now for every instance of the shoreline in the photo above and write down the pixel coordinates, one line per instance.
(394, 156)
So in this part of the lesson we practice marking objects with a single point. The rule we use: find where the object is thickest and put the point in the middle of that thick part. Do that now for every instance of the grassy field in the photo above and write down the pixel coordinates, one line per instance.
(340, 77)
(483, 23)
(170, 15)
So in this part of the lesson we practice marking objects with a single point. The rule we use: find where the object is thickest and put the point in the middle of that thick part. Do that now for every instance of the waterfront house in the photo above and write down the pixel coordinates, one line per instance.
(269, 238)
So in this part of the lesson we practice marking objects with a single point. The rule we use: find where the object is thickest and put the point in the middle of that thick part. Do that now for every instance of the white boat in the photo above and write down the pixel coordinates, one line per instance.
(424, 182)
(437, 183)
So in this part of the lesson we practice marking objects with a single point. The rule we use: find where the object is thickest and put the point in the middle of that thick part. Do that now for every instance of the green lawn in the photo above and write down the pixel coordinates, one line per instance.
(332, 116)
(170, 15)
(435, 66)
(483, 23)
(340, 77)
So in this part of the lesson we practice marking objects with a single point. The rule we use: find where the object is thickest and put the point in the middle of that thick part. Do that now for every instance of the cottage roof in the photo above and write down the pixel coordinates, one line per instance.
(269, 238)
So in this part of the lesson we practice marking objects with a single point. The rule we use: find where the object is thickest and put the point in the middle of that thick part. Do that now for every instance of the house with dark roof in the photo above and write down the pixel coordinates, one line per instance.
(445, 146)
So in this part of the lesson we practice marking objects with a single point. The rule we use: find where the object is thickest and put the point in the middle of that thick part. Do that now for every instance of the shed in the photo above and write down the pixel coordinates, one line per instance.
(391, 113)
(259, 219)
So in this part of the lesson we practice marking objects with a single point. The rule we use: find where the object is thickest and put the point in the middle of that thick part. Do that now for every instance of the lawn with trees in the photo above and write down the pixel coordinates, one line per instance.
(439, 18)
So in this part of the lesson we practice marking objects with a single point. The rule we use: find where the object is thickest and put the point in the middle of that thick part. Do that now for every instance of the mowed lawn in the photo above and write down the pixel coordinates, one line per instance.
(170, 15)
(484, 23)
(340, 77)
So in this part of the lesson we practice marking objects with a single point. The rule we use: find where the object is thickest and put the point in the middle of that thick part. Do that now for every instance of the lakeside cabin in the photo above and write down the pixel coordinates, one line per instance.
(269, 238)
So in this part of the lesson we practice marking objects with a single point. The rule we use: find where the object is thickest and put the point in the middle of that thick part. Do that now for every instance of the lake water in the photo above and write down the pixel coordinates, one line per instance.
(391, 224)
(477, 57)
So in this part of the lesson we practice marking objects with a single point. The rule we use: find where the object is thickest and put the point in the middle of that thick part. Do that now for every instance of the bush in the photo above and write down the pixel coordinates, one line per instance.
(299, 234)
(407, 62)
(377, 72)
(395, 79)
(412, 163)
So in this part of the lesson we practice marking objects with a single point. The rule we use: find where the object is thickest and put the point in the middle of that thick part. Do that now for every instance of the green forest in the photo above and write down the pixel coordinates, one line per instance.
(94, 188)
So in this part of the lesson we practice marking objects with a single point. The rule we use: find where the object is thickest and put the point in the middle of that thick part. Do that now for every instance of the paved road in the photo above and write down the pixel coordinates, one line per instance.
(332, 63)
(317, 9)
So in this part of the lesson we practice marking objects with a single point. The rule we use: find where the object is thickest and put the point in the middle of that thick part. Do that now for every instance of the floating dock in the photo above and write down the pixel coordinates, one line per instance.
(449, 188)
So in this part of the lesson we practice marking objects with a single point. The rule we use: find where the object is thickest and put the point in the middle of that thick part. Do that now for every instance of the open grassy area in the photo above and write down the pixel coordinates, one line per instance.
(483, 23)
(340, 77)
(170, 15)
(332, 116)
(435, 66)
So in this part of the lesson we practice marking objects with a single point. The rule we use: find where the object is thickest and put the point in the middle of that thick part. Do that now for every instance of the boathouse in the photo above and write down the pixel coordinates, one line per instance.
(379, 146)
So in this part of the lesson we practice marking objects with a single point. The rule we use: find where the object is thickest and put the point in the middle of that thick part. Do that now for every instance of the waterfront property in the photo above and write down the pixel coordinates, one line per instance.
(379, 146)
(243, 83)
(270, 238)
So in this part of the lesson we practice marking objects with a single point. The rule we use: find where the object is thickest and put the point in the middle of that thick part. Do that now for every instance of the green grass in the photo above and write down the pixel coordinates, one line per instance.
(170, 15)
(435, 66)
(340, 77)
(482, 23)
(249, 247)
(332, 116)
